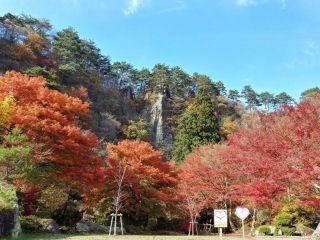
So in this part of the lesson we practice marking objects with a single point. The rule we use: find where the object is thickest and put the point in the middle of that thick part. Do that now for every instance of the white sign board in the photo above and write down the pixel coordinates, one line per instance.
(242, 212)
(220, 218)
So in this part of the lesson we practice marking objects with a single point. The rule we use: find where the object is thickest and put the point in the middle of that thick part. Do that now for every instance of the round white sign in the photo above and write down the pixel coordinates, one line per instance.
(242, 212)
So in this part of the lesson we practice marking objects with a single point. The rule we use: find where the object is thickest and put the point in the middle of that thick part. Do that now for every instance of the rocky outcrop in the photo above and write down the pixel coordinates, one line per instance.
(9, 212)
(6, 223)
(48, 225)
(9, 223)
(86, 227)
(33, 224)
(316, 233)
(16, 231)
(161, 132)
(82, 227)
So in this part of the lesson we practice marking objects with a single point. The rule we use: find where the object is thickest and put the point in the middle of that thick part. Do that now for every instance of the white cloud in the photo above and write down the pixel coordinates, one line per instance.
(133, 6)
(248, 3)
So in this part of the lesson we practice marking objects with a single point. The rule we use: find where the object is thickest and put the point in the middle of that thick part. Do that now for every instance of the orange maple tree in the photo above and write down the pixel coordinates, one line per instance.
(52, 119)
(149, 183)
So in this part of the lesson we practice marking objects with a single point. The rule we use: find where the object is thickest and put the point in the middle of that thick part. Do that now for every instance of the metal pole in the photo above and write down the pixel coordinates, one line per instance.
(192, 228)
(111, 224)
(197, 228)
(220, 233)
(121, 223)
(115, 225)
(243, 236)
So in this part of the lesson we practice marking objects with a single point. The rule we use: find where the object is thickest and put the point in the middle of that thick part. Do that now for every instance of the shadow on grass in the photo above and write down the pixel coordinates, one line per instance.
(43, 236)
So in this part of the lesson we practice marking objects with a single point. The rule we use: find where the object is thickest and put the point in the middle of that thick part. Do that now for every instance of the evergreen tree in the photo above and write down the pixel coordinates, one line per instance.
(266, 99)
(197, 126)
(78, 59)
(282, 99)
(222, 91)
(251, 97)
(309, 91)
(234, 95)
(161, 78)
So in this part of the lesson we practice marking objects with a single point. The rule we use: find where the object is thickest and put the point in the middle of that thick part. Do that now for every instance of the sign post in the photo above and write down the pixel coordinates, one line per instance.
(220, 219)
(242, 213)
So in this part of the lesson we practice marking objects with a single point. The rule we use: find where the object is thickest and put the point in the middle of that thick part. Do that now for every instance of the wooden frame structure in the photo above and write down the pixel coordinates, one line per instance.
(193, 224)
(113, 223)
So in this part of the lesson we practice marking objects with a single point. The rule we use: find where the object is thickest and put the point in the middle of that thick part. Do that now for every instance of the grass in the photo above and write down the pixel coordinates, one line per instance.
(140, 237)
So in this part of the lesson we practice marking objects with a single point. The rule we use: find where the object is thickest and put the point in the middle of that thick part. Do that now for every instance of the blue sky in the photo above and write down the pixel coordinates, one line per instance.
(271, 45)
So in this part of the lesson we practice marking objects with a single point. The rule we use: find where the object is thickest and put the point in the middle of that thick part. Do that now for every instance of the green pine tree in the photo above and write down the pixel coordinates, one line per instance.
(197, 126)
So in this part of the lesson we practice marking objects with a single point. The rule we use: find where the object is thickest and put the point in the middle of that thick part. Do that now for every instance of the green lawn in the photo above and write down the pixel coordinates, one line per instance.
(143, 237)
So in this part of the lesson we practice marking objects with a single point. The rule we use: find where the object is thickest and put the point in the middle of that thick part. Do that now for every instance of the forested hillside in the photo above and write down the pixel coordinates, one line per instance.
(83, 136)
(121, 97)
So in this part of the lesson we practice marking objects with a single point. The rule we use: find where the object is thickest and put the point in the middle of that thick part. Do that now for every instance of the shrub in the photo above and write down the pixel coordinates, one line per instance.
(283, 219)
(288, 231)
(8, 197)
(30, 224)
(51, 78)
(264, 229)
(301, 214)
(263, 216)
(136, 130)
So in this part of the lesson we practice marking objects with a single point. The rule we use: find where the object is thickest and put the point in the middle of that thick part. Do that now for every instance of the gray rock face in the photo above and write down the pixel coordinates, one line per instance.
(10, 223)
(161, 132)
(82, 227)
(316, 233)
(86, 226)
(98, 228)
(6, 223)
(16, 231)
(49, 225)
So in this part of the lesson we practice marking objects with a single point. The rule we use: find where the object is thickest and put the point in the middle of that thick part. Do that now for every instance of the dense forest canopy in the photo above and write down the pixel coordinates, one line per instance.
(83, 135)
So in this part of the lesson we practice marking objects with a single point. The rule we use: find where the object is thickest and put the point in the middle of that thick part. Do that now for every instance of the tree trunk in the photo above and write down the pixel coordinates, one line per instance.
(289, 193)
(233, 228)
(316, 233)
(253, 223)
(115, 222)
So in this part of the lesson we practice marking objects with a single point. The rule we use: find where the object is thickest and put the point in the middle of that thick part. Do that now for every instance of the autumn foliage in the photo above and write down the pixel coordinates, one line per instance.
(52, 119)
(279, 158)
(272, 161)
(149, 183)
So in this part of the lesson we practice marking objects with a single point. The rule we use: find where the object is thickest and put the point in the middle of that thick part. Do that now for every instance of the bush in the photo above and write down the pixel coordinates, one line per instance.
(288, 231)
(283, 219)
(8, 197)
(263, 216)
(165, 224)
(136, 129)
(264, 229)
(30, 224)
(51, 78)
(301, 214)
